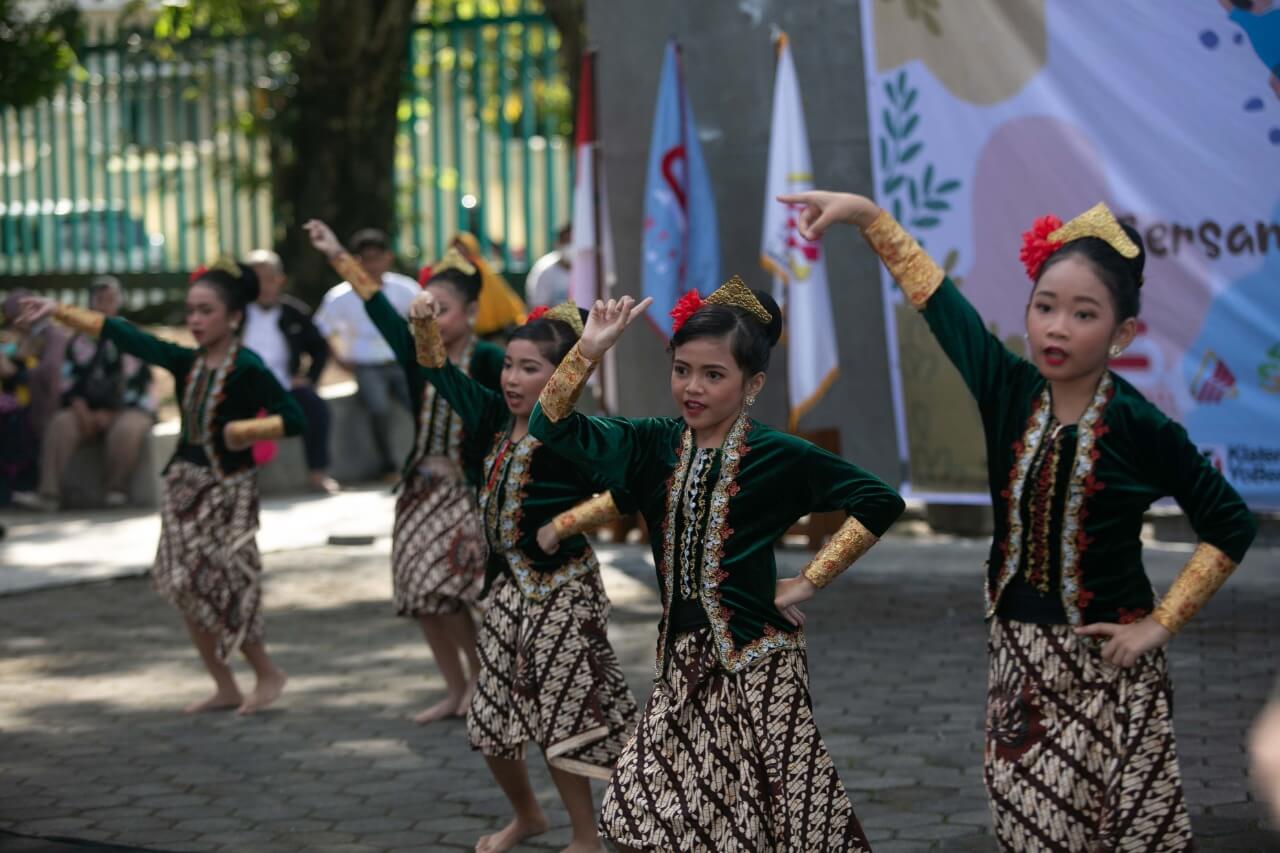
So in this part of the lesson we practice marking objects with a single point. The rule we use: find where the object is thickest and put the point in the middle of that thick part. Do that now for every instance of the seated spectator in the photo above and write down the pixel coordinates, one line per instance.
(106, 397)
(359, 347)
(43, 344)
(279, 329)
(17, 438)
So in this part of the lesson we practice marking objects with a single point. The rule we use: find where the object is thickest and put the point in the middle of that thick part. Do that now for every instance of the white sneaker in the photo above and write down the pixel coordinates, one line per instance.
(115, 500)
(34, 501)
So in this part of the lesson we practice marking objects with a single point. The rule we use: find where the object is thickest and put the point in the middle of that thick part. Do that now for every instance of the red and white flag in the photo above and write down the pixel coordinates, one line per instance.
(591, 271)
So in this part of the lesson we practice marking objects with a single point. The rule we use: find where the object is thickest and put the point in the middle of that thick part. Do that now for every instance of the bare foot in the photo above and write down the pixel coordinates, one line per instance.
(266, 691)
(219, 701)
(450, 707)
(512, 834)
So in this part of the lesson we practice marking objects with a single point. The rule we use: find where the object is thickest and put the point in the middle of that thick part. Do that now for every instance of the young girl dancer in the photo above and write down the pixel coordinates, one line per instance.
(1080, 749)
(207, 564)
(437, 546)
(547, 672)
(727, 755)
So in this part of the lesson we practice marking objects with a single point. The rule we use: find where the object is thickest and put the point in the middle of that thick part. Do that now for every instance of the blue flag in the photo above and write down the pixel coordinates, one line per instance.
(681, 236)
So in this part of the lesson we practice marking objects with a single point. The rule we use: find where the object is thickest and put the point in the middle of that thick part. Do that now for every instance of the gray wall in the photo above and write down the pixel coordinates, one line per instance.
(728, 62)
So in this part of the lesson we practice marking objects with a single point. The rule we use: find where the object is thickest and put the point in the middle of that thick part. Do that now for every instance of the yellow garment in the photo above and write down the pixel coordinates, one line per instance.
(498, 306)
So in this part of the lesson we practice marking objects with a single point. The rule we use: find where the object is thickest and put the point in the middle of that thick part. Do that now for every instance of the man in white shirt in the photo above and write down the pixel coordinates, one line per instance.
(548, 279)
(358, 345)
(279, 329)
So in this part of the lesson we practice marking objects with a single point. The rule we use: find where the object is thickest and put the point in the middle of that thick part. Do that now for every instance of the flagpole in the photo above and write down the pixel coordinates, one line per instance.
(597, 254)
(779, 43)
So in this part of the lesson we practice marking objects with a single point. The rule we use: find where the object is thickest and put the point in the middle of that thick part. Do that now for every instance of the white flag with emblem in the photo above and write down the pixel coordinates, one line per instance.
(798, 266)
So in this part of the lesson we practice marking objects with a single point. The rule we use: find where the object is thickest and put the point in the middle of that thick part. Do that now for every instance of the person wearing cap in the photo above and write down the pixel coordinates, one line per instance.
(279, 328)
(106, 397)
(358, 346)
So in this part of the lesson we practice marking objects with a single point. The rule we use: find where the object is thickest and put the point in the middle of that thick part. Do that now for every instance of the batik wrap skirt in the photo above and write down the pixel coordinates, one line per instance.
(437, 547)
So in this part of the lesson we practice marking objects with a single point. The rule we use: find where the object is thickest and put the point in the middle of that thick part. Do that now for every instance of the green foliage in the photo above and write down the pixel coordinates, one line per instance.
(908, 181)
(37, 51)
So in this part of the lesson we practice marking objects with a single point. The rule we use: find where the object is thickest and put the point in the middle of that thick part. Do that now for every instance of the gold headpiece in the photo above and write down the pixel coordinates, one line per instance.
(453, 260)
(566, 312)
(1097, 221)
(735, 293)
(227, 264)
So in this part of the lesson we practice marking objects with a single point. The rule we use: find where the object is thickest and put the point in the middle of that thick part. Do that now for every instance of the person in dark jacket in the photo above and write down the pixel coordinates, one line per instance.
(278, 327)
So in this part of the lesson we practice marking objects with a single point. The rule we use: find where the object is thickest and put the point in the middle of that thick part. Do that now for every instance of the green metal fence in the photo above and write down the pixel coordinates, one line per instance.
(135, 165)
(145, 166)
(483, 141)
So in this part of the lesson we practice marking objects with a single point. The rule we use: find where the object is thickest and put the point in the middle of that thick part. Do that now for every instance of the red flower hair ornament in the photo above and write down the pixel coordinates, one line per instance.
(536, 313)
(685, 308)
(1036, 245)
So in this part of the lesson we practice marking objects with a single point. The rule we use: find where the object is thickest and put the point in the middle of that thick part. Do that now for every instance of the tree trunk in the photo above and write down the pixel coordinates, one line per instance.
(334, 154)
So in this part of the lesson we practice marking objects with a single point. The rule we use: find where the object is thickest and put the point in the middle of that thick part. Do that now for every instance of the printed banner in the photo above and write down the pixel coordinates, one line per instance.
(987, 114)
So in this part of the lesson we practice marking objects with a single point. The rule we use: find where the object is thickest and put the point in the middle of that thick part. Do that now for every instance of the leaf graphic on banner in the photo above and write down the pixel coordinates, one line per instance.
(898, 152)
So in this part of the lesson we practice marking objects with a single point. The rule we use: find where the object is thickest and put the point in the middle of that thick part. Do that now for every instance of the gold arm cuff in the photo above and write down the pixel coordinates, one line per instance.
(911, 267)
(81, 319)
(249, 430)
(1199, 579)
(589, 515)
(849, 543)
(565, 386)
(427, 342)
(360, 281)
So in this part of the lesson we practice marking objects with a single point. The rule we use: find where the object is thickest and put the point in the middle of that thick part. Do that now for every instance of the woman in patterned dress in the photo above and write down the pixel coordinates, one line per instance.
(437, 546)
(727, 755)
(1080, 752)
(207, 564)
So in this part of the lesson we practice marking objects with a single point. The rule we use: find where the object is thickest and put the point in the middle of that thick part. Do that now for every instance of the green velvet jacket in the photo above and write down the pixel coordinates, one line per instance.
(1129, 454)
(764, 482)
(211, 399)
(437, 429)
(522, 486)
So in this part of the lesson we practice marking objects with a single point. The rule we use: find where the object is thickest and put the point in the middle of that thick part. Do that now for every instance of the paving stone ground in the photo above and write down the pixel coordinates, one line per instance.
(92, 745)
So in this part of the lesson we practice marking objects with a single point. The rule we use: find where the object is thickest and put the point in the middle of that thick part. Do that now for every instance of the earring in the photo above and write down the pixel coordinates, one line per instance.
(1115, 351)
(751, 400)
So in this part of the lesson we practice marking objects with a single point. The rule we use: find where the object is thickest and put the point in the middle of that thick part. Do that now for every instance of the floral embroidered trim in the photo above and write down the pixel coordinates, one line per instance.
(1074, 541)
(1044, 468)
(361, 282)
(502, 507)
(256, 429)
(200, 403)
(427, 344)
(718, 532)
(562, 390)
(911, 267)
(1202, 576)
(675, 488)
(848, 543)
(1083, 485)
(537, 586)
(589, 515)
(80, 319)
(1024, 452)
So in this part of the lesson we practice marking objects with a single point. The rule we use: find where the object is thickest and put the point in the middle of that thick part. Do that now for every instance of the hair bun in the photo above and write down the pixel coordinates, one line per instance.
(247, 284)
(1138, 264)
(773, 329)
